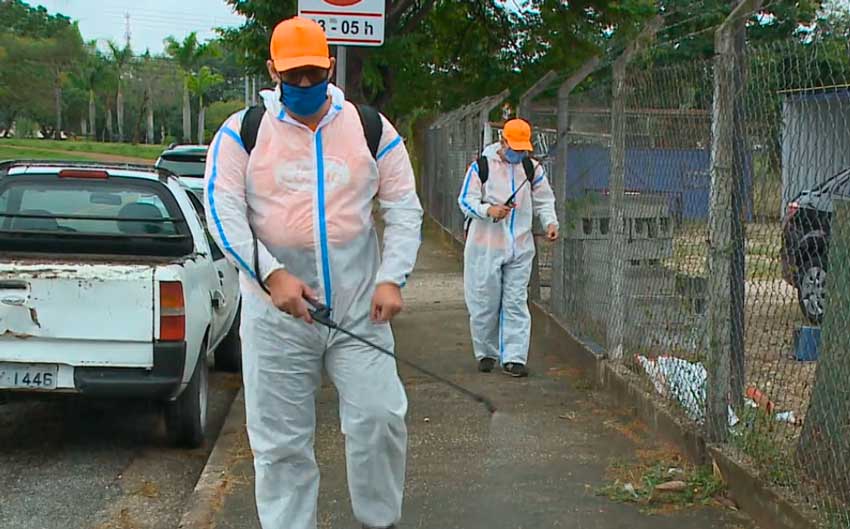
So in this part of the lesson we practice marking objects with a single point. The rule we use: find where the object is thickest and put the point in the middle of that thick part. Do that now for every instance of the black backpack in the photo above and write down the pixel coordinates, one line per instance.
(484, 174)
(373, 129)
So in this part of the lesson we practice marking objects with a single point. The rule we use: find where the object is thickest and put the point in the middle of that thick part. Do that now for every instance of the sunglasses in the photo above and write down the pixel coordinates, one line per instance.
(314, 75)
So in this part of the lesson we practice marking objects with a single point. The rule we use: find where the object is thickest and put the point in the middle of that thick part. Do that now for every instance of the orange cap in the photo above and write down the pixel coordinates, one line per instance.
(517, 132)
(299, 42)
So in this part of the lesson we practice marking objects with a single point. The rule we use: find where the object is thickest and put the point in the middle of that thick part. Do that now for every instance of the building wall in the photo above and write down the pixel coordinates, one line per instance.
(815, 140)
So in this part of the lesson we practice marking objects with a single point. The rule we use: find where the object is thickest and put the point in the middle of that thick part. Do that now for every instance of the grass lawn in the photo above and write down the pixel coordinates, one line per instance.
(149, 152)
(12, 153)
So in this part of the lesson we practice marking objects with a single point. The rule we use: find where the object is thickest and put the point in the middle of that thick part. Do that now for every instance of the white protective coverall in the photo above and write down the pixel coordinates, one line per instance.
(308, 196)
(497, 257)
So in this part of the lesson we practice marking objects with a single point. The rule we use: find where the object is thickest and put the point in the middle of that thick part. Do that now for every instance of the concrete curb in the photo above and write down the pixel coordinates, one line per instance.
(214, 484)
(763, 504)
(753, 496)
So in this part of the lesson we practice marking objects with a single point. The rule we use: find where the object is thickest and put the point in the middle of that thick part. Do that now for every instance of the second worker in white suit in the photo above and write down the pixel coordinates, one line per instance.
(500, 247)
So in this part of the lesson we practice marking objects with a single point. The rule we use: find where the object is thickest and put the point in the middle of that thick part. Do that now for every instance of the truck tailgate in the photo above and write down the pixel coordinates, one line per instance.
(77, 314)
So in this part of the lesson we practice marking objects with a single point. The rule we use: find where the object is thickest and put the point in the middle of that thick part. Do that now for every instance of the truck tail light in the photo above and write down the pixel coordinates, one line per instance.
(83, 173)
(172, 312)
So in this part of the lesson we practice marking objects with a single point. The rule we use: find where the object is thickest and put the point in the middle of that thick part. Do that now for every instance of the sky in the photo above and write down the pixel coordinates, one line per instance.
(150, 20)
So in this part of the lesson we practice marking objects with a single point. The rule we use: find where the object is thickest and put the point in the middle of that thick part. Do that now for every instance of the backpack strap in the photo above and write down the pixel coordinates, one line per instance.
(251, 126)
(528, 166)
(373, 127)
(257, 262)
(483, 175)
(248, 134)
(483, 169)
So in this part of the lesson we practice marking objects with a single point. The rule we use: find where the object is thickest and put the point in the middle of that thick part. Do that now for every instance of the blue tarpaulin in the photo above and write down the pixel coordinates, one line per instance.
(682, 175)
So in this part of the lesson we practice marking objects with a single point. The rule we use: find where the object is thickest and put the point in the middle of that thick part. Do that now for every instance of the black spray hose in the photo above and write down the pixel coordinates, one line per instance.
(510, 200)
(322, 315)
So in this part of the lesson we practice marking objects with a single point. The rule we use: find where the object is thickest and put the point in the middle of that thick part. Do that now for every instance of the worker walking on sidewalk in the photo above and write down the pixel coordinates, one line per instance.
(289, 194)
(501, 192)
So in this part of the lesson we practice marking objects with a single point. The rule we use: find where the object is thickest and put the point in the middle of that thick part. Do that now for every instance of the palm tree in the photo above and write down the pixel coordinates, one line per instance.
(121, 57)
(149, 126)
(187, 54)
(200, 84)
(89, 78)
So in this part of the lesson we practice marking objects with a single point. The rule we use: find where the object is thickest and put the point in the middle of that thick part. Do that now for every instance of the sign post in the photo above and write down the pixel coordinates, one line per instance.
(347, 23)
(341, 66)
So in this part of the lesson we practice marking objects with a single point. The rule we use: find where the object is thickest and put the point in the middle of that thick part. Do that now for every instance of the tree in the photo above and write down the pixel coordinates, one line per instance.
(147, 69)
(187, 54)
(24, 21)
(36, 47)
(218, 112)
(445, 53)
(105, 93)
(89, 78)
(833, 21)
(411, 25)
(689, 26)
(59, 55)
(227, 61)
(22, 92)
(166, 96)
(200, 84)
(120, 58)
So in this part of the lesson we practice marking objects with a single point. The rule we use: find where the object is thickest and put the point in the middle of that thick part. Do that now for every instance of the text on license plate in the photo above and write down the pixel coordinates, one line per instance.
(28, 376)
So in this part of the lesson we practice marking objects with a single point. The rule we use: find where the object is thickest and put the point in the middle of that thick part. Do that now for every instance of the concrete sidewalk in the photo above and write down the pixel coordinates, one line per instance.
(537, 464)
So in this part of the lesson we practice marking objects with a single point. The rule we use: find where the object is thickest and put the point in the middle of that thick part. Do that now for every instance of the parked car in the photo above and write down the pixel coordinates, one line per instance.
(187, 162)
(805, 242)
(110, 286)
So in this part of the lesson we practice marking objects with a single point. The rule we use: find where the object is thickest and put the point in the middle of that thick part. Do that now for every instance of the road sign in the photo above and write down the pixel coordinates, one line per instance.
(347, 22)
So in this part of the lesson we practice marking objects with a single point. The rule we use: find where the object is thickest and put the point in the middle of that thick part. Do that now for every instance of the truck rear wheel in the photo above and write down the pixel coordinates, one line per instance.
(186, 416)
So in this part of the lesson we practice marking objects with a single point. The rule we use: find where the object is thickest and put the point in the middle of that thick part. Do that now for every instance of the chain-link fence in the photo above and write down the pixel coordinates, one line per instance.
(705, 241)
(454, 141)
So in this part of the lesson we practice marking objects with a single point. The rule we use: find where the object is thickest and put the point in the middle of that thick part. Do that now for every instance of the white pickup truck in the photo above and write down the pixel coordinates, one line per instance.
(110, 286)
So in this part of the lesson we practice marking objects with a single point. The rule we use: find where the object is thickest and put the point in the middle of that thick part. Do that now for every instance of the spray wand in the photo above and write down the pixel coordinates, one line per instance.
(510, 201)
(322, 315)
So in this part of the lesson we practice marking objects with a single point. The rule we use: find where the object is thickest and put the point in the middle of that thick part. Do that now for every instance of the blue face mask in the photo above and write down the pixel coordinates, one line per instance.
(304, 101)
(513, 157)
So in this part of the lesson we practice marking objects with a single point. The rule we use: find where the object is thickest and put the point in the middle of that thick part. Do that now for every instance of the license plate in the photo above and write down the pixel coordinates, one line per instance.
(28, 376)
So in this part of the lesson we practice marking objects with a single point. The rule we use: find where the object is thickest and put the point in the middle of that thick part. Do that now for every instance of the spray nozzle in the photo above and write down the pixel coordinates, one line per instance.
(321, 313)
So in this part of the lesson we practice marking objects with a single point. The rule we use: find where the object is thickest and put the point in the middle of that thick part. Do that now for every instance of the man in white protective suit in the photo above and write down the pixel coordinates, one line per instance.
(500, 194)
(292, 208)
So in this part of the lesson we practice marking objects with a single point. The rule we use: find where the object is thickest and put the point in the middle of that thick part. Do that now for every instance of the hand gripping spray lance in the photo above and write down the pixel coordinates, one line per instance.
(510, 201)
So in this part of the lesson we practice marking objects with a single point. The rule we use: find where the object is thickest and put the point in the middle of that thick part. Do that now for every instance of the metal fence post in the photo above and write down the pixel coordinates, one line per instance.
(524, 112)
(720, 250)
(616, 187)
(738, 276)
(559, 183)
(616, 197)
(486, 130)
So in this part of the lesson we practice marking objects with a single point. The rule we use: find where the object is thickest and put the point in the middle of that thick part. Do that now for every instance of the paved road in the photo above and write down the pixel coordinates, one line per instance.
(87, 464)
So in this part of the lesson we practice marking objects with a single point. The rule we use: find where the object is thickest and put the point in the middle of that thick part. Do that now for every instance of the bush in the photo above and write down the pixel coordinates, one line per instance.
(217, 113)
(26, 128)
